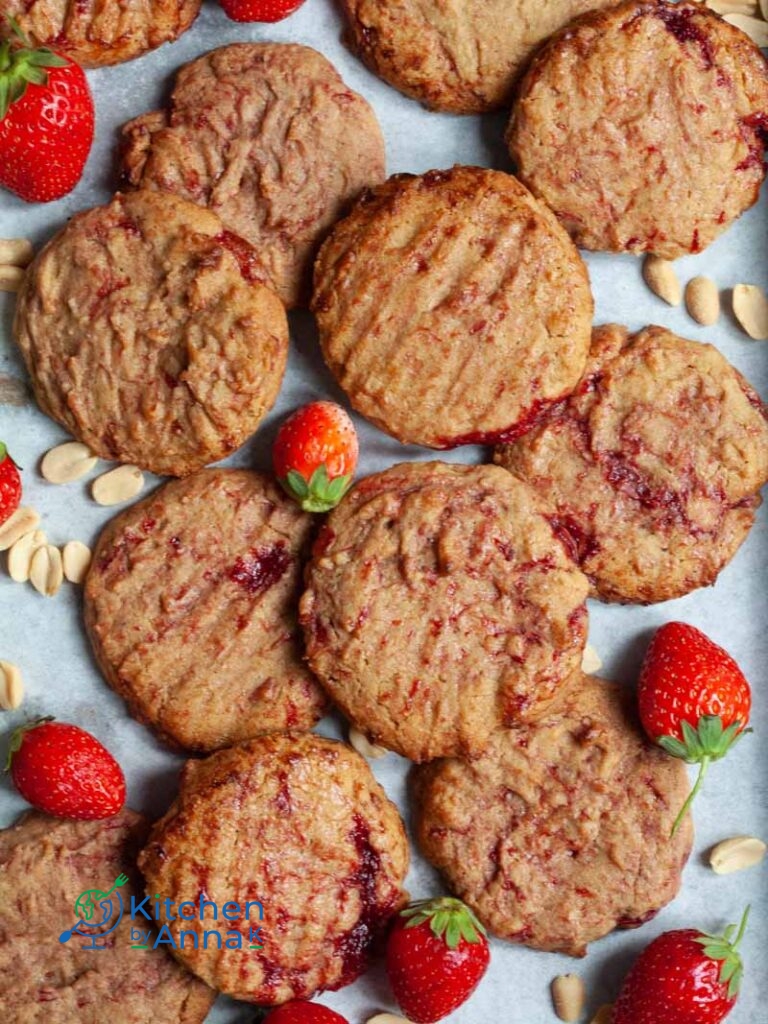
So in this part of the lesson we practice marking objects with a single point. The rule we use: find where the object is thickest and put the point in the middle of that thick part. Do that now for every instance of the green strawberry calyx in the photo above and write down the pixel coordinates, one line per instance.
(725, 948)
(318, 494)
(702, 745)
(17, 737)
(21, 65)
(449, 919)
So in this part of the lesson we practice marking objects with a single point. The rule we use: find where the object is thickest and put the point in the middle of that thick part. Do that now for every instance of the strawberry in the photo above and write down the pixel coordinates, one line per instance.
(64, 771)
(683, 977)
(315, 454)
(436, 955)
(693, 699)
(46, 121)
(10, 485)
(259, 10)
(299, 1011)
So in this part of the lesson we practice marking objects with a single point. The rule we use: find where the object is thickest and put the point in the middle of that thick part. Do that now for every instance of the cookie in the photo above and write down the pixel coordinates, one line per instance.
(299, 824)
(268, 137)
(462, 58)
(643, 127)
(439, 605)
(650, 471)
(190, 604)
(560, 831)
(45, 865)
(94, 34)
(150, 335)
(452, 307)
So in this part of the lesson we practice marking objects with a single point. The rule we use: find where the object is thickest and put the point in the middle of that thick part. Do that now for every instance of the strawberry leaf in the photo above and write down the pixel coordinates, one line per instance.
(449, 919)
(725, 949)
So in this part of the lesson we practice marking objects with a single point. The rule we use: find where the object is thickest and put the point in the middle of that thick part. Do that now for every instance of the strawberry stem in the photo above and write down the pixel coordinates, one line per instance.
(703, 766)
(21, 65)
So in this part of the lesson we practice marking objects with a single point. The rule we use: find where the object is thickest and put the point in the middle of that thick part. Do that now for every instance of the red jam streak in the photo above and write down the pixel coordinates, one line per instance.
(250, 267)
(683, 27)
(533, 417)
(261, 568)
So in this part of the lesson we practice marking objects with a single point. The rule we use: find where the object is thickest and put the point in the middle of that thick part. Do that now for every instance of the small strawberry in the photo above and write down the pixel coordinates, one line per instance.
(10, 485)
(693, 699)
(64, 771)
(46, 121)
(437, 954)
(299, 1011)
(683, 977)
(315, 454)
(259, 10)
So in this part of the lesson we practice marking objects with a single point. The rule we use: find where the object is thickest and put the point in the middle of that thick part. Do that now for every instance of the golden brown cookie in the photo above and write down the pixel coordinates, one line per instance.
(298, 823)
(560, 831)
(190, 604)
(650, 472)
(643, 127)
(150, 335)
(49, 863)
(439, 605)
(97, 32)
(268, 137)
(463, 57)
(452, 307)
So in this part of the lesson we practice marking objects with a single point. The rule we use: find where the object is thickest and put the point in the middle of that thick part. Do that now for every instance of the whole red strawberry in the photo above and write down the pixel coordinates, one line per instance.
(259, 10)
(683, 977)
(10, 485)
(437, 954)
(46, 121)
(299, 1011)
(693, 698)
(64, 771)
(315, 455)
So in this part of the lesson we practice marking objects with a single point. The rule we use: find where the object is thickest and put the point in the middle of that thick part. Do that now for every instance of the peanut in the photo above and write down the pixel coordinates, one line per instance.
(733, 6)
(16, 252)
(20, 555)
(386, 1018)
(568, 996)
(117, 485)
(10, 278)
(750, 307)
(76, 560)
(736, 854)
(755, 28)
(590, 660)
(67, 462)
(24, 520)
(363, 745)
(46, 573)
(661, 278)
(764, 9)
(11, 686)
(702, 300)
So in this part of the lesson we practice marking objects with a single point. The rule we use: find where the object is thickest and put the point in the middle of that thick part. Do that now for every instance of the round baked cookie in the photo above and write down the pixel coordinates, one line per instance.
(560, 831)
(190, 604)
(643, 127)
(439, 605)
(269, 137)
(93, 33)
(463, 58)
(650, 471)
(298, 823)
(45, 865)
(150, 335)
(452, 307)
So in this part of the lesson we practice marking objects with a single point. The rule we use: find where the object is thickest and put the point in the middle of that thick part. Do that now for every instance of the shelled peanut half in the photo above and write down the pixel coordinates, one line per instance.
(15, 255)
(751, 16)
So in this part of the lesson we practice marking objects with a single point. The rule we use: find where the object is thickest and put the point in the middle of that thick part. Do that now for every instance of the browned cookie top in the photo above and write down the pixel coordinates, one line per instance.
(150, 335)
(300, 824)
(191, 607)
(560, 832)
(651, 470)
(462, 57)
(269, 137)
(439, 605)
(643, 127)
(452, 306)
(45, 865)
(96, 32)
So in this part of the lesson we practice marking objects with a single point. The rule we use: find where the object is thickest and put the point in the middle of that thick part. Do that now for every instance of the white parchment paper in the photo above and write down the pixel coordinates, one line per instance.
(45, 637)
